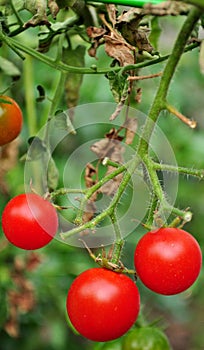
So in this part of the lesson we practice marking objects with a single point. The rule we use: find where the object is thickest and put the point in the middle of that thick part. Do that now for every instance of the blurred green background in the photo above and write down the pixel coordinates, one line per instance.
(40, 322)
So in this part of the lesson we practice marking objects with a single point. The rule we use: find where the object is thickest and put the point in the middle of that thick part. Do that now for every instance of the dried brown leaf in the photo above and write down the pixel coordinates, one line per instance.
(112, 148)
(167, 8)
(111, 186)
(54, 8)
(12, 327)
(131, 125)
(112, 13)
(113, 134)
(97, 35)
(89, 212)
(95, 32)
(135, 13)
(33, 261)
(117, 48)
(90, 173)
(138, 96)
(8, 159)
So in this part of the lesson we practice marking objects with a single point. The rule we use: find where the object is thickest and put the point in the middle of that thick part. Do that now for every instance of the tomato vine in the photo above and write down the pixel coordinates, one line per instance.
(127, 44)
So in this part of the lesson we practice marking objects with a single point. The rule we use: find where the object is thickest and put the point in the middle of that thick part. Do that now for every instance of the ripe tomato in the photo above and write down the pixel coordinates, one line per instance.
(11, 120)
(29, 221)
(149, 338)
(102, 305)
(168, 260)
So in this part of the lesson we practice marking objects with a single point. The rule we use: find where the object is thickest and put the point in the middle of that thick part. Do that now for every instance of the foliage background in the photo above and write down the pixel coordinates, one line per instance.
(41, 324)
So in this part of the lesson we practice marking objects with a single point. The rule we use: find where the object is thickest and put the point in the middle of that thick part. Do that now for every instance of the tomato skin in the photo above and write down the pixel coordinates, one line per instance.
(168, 260)
(102, 305)
(29, 222)
(11, 120)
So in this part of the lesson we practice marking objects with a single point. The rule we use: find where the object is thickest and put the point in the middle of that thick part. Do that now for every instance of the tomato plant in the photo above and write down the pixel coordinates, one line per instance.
(29, 221)
(148, 338)
(104, 165)
(168, 260)
(102, 305)
(11, 120)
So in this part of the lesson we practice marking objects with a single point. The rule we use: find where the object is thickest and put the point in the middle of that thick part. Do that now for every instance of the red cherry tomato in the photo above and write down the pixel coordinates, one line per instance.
(168, 260)
(29, 221)
(11, 120)
(102, 305)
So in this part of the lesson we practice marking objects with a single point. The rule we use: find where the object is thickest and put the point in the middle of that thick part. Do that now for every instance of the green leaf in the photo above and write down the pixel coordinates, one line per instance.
(52, 175)
(155, 32)
(63, 122)
(39, 153)
(9, 68)
(73, 81)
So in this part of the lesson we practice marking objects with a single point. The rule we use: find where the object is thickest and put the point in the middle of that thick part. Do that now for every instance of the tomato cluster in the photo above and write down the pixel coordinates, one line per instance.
(11, 120)
(103, 304)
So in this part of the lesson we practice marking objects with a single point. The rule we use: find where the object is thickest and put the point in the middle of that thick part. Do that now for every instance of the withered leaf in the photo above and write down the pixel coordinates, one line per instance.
(89, 211)
(135, 14)
(90, 180)
(73, 80)
(90, 172)
(95, 32)
(8, 159)
(130, 125)
(128, 24)
(12, 327)
(117, 48)
(113, 134)
(54, 8)
(167, 8)
(112, 148)
(138, 96)
(97, 35)
(111, 186)
(33, 261)
(112, 13)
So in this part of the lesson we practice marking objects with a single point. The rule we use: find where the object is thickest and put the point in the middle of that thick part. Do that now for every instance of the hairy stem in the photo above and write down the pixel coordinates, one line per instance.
(160, 99)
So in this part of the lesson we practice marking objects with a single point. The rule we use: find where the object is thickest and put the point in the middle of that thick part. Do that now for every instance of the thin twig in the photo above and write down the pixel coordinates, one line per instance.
(143, 77)
(190, 122)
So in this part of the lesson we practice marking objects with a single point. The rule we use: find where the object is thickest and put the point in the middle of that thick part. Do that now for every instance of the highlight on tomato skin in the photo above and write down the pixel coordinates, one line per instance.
(29, 221)
(11, 120)
(102, 305)
(168, 260)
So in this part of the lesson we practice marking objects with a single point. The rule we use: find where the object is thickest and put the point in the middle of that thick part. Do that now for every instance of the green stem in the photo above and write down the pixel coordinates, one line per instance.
(198, 3)
(116, 226)
(160, 99)
(64, 191)
(29, 96)
(94, 188)
(111, 208)
(181, 170)
(119, 242)
(12, 46)
(16, 45)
